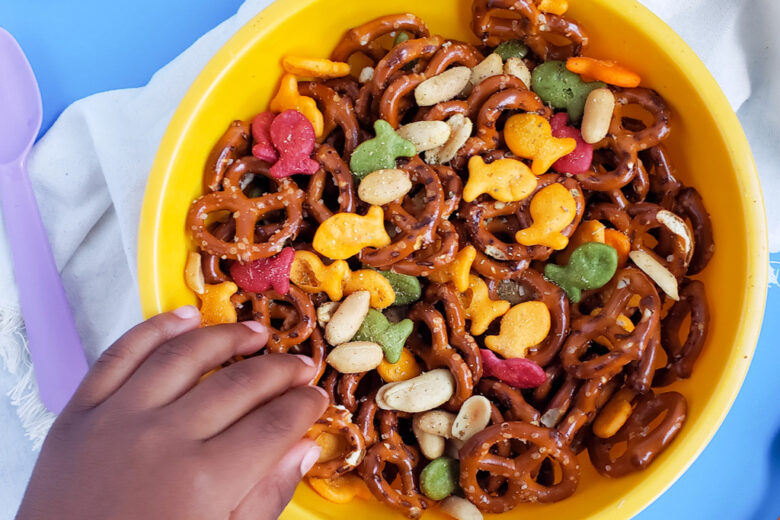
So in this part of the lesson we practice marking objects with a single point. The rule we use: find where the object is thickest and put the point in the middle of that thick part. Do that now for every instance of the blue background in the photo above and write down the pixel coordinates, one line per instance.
(78, 48)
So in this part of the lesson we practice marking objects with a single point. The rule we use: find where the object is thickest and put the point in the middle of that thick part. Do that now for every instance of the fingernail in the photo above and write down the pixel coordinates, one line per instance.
(257, 328)
(322, 391)
(306, 359)
(186, 312)
(310, 459)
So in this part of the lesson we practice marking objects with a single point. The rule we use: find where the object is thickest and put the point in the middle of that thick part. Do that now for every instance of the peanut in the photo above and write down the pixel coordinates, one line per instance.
(442, 87)
(493, 65)
(517, 67)
(460, 508)
(193, 273)
(325, 312)
(355, 357)
(426, 135)
(461, 127)
(472, 418)
(383, 186)
(598, 115)
(432, 446)
(435, 422)
(366, 75)
(346, 321)
(419, 394)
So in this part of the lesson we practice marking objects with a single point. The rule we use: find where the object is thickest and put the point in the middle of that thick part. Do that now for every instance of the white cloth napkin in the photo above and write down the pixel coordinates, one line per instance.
(90, 169)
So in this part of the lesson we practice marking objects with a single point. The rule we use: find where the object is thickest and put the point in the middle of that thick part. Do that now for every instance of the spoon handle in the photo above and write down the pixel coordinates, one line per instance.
(57, 355)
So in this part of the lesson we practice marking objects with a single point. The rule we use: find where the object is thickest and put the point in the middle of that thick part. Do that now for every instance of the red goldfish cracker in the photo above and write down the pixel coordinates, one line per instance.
(530, 136)
(587, 231)
(261, 132)
(293, 136)
(552, 209)
(342, 489)
(265, 273)
(315, 67)
(621, 243)
(458, 270)
(578, 161)
(288, 98)
(517, 372)
(215, 305)
(604, 70)
(345, 234)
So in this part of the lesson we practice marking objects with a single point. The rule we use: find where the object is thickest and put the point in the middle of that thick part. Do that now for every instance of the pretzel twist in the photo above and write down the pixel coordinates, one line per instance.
(363, 38)
(516, 408)
(338, 421)
(337, 111)
(691, 206)
(334, 166)
(234, 144)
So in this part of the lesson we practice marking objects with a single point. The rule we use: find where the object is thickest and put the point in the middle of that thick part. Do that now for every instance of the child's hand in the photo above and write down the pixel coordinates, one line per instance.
(140, 440)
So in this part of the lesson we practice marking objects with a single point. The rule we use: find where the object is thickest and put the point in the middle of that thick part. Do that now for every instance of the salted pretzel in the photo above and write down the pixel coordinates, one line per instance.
(443, 110)
(681, 356)
(438, 253)
(234, 144)
(338, 421)
(422, 230)
(436, 352)
(640, 374)
(626, 144)
(521, 471)
(644, 444)
(664, 185)
(506, 100)
(246, 212)
(516, 408)
(333, 166)
(210, 264)
(487, 88)
(612, 214)
(623, 347)
(496, 20)
(459, 338)
(453, 53)
(364, 38)
(298, 315)
(675, 243)
(366, 418)
(395, 99)
(403, 494)
(691, 206)
(591, 395)
(337, 111)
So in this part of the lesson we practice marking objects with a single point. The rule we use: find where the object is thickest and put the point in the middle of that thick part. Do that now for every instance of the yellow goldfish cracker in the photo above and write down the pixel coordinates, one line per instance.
(405, 368)
(587, 231)
(478, 307)
(311, 275)
(614, 414)
(530, 136)
(382, 293)
(333, 446)
(621, 243)
(288, 98)
(315, 67)
(340, 490)
(522, 327)
(345, 234)
(215, 305)
(458, 270)
(506, 180)
(552, 209)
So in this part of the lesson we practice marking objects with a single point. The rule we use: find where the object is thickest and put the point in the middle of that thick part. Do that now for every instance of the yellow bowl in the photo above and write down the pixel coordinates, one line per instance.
(707, 146)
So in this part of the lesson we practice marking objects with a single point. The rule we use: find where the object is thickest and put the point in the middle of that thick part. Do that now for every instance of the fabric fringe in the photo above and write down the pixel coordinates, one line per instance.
(15, 358)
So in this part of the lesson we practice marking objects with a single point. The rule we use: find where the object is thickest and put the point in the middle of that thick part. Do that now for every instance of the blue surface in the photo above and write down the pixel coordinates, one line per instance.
(81, 47)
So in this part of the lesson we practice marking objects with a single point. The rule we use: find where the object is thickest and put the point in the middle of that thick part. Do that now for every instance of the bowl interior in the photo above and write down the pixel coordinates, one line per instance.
(707, 147)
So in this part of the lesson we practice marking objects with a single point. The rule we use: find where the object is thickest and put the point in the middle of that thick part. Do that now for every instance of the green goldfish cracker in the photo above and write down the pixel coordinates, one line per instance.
(590, 266)
(407, 288)
(380, 152)
(439, 479)
(511, 49)
(561, 88)
(392, 338)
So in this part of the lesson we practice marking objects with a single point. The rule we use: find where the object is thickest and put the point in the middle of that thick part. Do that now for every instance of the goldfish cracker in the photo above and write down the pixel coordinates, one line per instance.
(458, 270)
(552, 209)
(607, 71)
(511, 49)
(215, 305)
(506, 180)
(309, 274)
(522, 327)
(587, 231)
(407, 288)
(382, 293)
(293, 137)
(581, 158)
(530, 136)
(517, 372)
(315, 67)
(405, 368)
(265, 273)
(377, 329)
(380, 152)
(288, 98)
(614, 414)
(345, 234)
(620, 242)
(342, 489)
(263, 148)
(561, 88)
(557, 7)
(591, 266)
(478, 307)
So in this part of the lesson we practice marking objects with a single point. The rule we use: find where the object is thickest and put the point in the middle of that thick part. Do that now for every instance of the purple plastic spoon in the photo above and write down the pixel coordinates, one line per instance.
(55, 346)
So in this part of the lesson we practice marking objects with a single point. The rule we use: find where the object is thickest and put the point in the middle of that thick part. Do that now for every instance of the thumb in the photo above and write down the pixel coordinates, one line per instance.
(270, 496)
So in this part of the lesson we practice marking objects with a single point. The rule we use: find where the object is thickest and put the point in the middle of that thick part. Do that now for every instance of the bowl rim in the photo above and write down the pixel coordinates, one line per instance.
(727, 123)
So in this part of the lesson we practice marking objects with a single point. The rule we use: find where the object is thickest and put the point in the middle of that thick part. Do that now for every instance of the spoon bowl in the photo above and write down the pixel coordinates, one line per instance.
(21, 101)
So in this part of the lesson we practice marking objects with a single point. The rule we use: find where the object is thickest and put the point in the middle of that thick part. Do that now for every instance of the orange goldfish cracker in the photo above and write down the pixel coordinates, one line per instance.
(288, 98)
(588, 231)
(458, 270)
(530, 136)
(522, 327)
(506, 180)
(478, 307)
(614, 415)
(382, 293)
(315, 67)
(621, 243)
(405, 368)
(604, 70)
(311, 275)
(552, 209)
(558, 7)
(345, 234)
(215, 305)
(340, 490)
